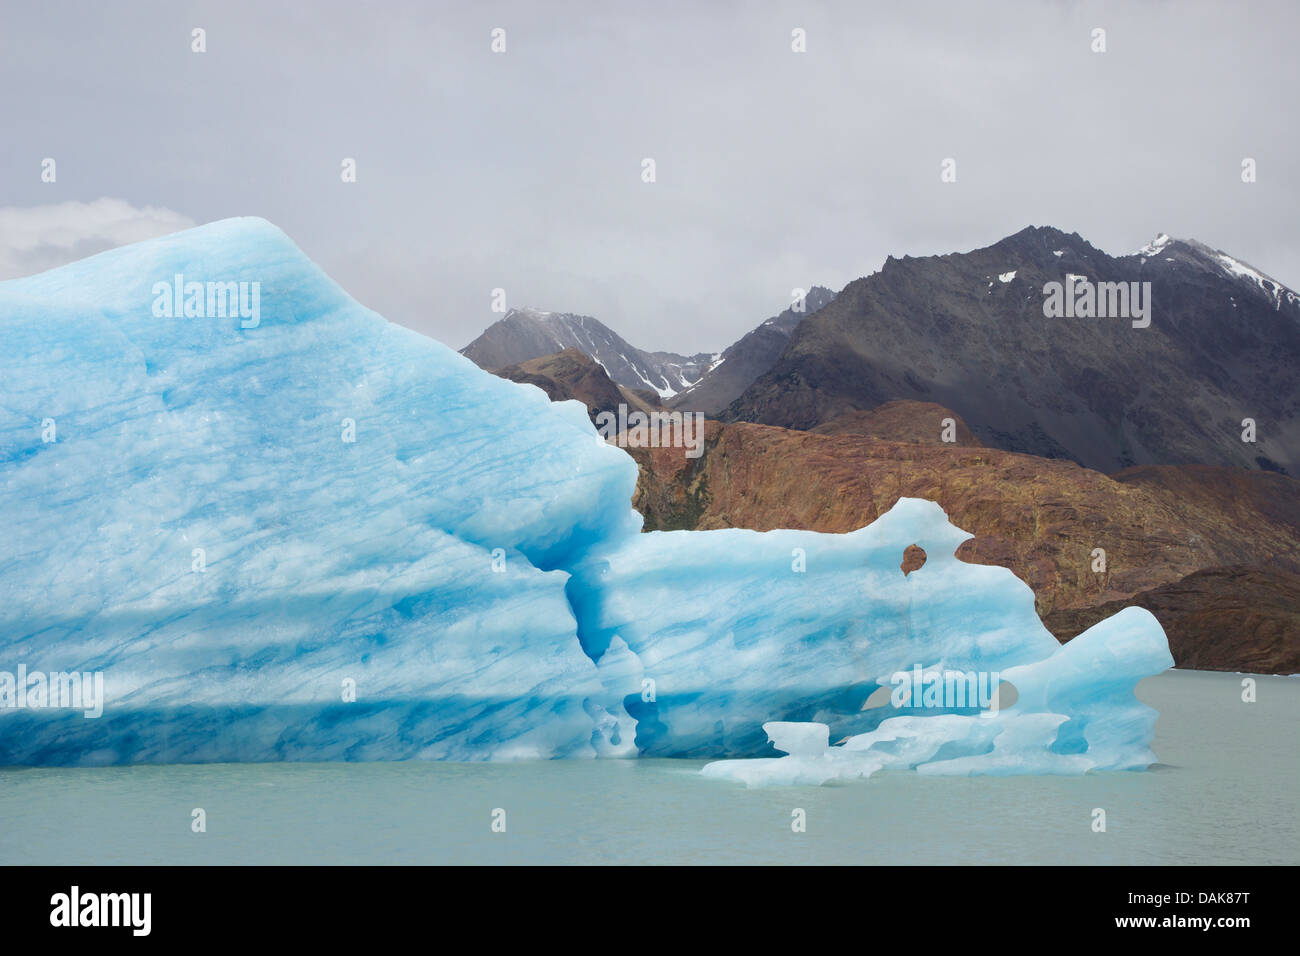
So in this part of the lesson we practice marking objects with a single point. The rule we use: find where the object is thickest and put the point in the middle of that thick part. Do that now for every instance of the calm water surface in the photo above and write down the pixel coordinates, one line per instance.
(1224, 792)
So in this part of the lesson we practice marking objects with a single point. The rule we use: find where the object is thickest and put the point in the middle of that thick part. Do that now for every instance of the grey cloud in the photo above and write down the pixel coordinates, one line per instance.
(775, 170)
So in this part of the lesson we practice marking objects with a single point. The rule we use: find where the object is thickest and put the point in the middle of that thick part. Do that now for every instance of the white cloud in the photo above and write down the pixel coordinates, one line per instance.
(36, 238)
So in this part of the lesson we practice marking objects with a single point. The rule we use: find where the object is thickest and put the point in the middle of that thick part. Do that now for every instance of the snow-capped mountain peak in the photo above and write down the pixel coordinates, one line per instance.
(527, 333)
(1271, 287)
(1155, 246)
(1192, 252)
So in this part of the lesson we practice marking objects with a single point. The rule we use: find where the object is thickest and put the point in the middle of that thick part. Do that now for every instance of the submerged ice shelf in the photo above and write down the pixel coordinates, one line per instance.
(320, 536)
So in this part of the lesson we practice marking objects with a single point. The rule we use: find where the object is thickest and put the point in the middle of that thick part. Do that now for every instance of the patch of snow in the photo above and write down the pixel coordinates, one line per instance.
(1270, 287)
(1154, 247)
(1006, 276)
(665, 392)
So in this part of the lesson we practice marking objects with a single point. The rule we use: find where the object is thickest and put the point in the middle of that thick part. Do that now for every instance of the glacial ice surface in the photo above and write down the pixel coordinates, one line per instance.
(741, 638)
(188, 442)
(732, 628)
(1076, 712)
(201, 533)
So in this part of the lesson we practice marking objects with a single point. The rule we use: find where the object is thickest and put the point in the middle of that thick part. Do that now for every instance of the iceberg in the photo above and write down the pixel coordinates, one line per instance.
(320, 537)
(742, 638)
(733, 628)
(279, 527)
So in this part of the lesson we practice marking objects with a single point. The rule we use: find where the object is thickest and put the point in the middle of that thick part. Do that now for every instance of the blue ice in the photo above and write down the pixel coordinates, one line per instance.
(311, 534)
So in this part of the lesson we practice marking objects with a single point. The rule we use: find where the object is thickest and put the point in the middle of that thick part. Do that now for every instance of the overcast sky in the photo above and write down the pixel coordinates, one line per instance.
(522, 170)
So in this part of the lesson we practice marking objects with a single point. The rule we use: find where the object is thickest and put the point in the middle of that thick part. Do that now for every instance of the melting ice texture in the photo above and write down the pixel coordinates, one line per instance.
(732, 633)
(201, 533)
(1076, 712)
(187, 443)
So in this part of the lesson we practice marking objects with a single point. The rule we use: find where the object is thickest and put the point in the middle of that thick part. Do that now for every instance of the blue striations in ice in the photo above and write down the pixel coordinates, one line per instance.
(243, 519)
(731, 629)
(288, 529)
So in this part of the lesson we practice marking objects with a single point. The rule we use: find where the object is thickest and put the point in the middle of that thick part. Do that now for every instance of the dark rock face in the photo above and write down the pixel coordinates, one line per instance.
(1234, 618)
(751, 356)
(572, 374)
(968, 332)
(923, 422)
(525, 334)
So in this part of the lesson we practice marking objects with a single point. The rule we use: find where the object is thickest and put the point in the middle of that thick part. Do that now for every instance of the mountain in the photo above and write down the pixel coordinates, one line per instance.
(969, 332)
(1243, 618)
(572, 374)
(748, 358)
(902, 421)
(1212, 552)
(525, 334)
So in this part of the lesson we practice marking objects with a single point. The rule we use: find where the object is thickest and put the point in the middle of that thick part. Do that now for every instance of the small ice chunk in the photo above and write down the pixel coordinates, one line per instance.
(796, 738)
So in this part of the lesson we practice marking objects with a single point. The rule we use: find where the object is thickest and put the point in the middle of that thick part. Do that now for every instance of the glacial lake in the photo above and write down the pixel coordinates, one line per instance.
(1224, 792)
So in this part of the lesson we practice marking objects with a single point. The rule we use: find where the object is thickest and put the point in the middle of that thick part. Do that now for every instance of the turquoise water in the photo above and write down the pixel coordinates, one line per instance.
(1224, 792)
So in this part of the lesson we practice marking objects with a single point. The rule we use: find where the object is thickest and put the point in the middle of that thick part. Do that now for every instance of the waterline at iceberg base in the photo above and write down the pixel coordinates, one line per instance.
(321, 536)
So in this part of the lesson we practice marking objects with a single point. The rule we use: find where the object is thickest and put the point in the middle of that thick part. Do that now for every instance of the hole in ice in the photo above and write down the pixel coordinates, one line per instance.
(1006, 695)
(879, 698)
(913, 558)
